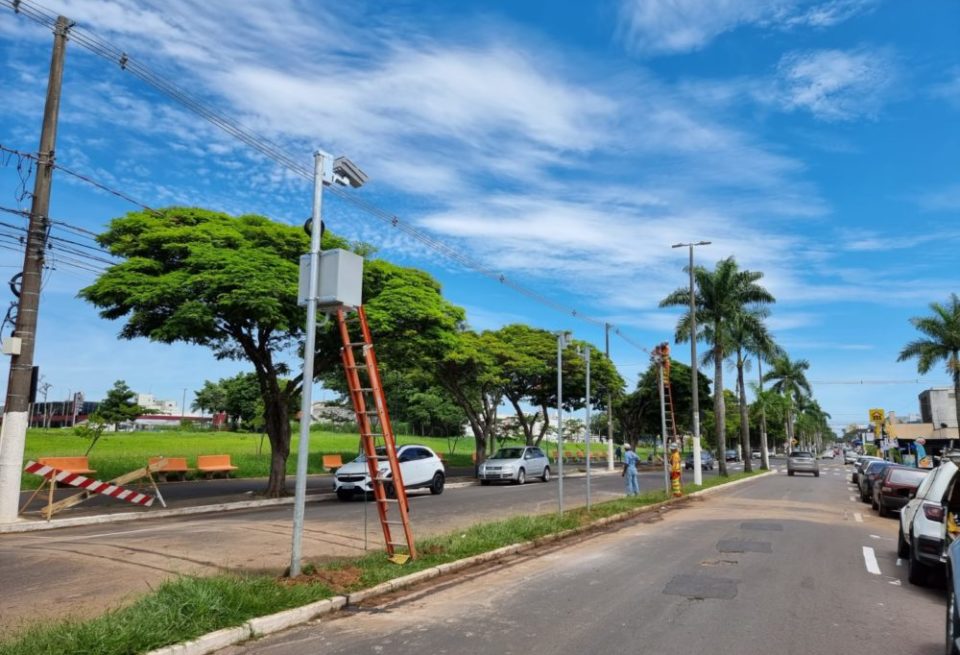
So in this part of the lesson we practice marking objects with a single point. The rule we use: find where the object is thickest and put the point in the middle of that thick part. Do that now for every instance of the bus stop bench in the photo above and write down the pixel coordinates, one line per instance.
(72, 464)
(212, 464)
(175, 467)
(332, 462)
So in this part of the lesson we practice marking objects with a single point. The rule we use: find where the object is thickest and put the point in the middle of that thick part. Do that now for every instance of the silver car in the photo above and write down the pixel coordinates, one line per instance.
(800, 461)
(516, 464)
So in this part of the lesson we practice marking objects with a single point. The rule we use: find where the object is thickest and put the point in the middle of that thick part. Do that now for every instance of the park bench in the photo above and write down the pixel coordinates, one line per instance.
(175, 467)
(71, 464)
(332, 462)
(212, 464)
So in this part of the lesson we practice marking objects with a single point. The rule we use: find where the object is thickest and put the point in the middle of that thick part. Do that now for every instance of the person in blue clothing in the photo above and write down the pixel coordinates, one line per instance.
(630, 461)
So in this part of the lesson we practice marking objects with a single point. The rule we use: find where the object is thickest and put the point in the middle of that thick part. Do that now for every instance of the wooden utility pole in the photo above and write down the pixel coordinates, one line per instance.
(16, 410)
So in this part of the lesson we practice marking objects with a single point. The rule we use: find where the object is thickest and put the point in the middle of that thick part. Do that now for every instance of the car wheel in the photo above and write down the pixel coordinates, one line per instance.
(521, 477)
(344, 494)
(790, 473)
(436, 487)
(916, 570)
(816, 474)
(952, 621)
(546, 474)
(882, 510)
(874, 504)
(903, 548)
(484, 483)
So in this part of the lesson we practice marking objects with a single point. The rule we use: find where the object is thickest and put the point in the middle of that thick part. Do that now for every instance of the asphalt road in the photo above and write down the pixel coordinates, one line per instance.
(777, 565)
(81, 571)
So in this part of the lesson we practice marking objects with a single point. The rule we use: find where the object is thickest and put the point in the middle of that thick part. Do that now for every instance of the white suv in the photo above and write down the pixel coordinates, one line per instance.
(920, 540)
(419, 466)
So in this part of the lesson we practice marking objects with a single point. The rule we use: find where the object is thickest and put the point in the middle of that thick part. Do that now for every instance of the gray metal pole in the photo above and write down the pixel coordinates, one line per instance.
(694, 391)
(560, 343)
(16, 411)
(587, 355)
(309, 348)
(663, 425)
(609, 406)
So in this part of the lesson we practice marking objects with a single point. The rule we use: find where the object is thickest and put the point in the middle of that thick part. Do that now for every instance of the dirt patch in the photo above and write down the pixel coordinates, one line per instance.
(339, 580)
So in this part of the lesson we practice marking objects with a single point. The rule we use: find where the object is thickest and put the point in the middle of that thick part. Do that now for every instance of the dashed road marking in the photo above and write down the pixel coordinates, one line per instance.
(854, 498)
(870, 561)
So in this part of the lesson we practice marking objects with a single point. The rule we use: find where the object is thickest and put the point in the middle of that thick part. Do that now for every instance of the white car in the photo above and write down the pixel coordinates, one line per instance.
(920, 541)
(419, 466)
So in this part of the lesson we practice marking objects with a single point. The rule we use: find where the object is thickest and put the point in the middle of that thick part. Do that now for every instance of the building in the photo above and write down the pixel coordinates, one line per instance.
(163, 407)
(939, 407)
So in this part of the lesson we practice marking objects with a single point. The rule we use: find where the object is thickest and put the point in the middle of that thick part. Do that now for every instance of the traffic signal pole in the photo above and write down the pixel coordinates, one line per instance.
(13, 434)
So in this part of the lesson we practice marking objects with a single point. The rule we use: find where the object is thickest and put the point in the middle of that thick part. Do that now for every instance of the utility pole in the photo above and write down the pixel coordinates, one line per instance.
(586, 358)
(15, 413)
(694, 385)
(609, 405)
(562, 340)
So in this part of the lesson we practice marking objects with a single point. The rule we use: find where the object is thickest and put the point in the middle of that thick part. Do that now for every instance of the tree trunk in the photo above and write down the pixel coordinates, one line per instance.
(524, 423)
(789, 430)
(719, 409)
(744, 419)
(276, 420)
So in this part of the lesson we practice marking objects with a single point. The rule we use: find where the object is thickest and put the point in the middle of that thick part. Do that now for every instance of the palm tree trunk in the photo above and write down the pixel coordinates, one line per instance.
(744, 419)
(719, 410)
(789, 429)
(956, 388)
(764, 458)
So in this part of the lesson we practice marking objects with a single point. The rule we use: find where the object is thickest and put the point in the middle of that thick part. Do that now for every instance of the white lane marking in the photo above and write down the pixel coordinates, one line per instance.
(899, 562)
(894, 582)
(870, 560)
(858, 517)
(854, 498)
(875, 536)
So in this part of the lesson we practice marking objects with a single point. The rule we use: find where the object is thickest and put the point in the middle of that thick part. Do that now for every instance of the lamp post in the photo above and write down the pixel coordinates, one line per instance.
(563, 338)
(326, 170)
(694, 387)
(585, 353)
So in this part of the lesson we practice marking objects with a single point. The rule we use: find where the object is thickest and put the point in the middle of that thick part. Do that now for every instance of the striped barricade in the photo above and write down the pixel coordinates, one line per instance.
(89, 484)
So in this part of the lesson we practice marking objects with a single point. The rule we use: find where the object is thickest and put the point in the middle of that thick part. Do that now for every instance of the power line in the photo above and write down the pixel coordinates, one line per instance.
(274, 152)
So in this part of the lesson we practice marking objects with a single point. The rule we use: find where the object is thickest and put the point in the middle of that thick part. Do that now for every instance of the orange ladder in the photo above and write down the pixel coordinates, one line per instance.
(366, 390)
(664, 351)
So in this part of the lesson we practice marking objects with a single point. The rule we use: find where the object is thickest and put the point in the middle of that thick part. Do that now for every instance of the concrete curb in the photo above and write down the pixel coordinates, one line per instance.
(121, 517)
(265, 625)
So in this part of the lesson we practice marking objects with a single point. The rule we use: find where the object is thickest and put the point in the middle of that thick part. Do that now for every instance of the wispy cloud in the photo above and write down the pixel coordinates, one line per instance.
(946, 199)
(949, 89)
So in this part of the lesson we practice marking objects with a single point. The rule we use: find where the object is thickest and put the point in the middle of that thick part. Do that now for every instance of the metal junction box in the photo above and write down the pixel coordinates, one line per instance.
(340, 281)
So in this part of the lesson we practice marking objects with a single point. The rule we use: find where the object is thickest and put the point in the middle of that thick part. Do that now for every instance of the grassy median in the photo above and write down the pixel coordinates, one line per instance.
(187, 607)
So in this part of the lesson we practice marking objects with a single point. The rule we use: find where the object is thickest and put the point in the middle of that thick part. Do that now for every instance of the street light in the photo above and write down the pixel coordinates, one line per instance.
(326, 170)
(563, 338)
(585, 353)
(695, 391)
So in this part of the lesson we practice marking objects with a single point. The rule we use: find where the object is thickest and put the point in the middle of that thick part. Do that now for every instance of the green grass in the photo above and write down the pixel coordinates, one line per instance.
(119, 452)
(187, 607)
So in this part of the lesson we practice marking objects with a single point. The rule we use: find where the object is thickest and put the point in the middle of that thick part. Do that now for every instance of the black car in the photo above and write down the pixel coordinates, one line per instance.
(870, 474)
(706, 461)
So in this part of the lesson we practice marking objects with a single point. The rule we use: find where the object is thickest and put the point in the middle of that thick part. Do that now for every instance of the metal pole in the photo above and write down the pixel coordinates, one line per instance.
(587, 356)
(765, 456)
(695, 382)
(560, 344)
(16, 409)
(609, 406)
(663, 424)
(309, 348)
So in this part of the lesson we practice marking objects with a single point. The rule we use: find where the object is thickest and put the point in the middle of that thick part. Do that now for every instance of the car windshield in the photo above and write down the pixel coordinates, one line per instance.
(508, 453)
(800, 453)
(912, 477)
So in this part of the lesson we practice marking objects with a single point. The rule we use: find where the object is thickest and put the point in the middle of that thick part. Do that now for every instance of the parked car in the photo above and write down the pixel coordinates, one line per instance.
(921, 537)
(850, 457)
(515, 464)
(953, 617)
(706, 461)
(895, 486)
(419, 466)
(827, 454)
(801, 461)
(731, 455)
(861, 463)
(869, 476)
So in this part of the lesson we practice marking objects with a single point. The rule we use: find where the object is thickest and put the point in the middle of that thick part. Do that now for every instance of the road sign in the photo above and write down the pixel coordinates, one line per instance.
(876, 415)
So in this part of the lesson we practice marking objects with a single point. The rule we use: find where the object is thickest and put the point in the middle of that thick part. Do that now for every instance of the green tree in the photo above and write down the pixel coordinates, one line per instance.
(638, 413)
(790, 380)
(243, 402)
(210, 398)
(120, 405)
(720, 295)
(941, 342)
(745, 331)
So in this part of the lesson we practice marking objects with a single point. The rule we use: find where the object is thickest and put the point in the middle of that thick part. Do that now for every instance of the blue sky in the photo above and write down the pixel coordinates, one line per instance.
(566, 144)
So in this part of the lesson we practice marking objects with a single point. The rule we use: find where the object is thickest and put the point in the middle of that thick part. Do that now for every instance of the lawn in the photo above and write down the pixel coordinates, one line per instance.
(118, 452)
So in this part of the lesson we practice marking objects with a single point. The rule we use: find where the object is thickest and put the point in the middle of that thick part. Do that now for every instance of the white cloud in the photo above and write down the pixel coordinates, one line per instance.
(946, 199)
(677, 26)
(949, 90)
(836, 85)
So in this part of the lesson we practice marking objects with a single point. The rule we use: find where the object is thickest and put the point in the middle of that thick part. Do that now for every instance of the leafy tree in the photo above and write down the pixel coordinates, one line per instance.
(639, 412)
(210, 398)
(120, 405)
(745, 331)
(243, 402)
(719, 297)
(941, 342)
(790, 380)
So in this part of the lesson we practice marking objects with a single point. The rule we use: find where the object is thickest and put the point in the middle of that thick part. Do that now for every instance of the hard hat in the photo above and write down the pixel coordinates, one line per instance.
(626, 446)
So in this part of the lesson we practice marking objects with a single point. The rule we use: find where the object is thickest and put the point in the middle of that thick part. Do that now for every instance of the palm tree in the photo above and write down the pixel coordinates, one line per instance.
(764, 349)
(790, 380)
(744, 330)
(942, 343)
(720, 296)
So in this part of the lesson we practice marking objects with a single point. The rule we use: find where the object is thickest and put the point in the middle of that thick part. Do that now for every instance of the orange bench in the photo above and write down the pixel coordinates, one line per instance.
(175, 465)
(210, 464)
(71, 464)
(332, 462)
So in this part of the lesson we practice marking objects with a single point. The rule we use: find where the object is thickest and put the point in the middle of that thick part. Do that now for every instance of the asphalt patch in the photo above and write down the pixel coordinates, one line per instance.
(701, 586)
(744, 546)
(766, 526)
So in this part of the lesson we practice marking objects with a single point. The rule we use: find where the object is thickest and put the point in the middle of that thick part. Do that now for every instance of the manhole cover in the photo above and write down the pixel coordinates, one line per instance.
(701, 586)
(743, 546)
(767, 526)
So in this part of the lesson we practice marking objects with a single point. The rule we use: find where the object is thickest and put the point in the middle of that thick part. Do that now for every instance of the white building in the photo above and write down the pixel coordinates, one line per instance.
(939, 407)
(162, 407)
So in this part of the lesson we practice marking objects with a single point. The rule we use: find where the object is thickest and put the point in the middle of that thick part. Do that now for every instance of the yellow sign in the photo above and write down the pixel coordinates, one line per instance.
(876, 415)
